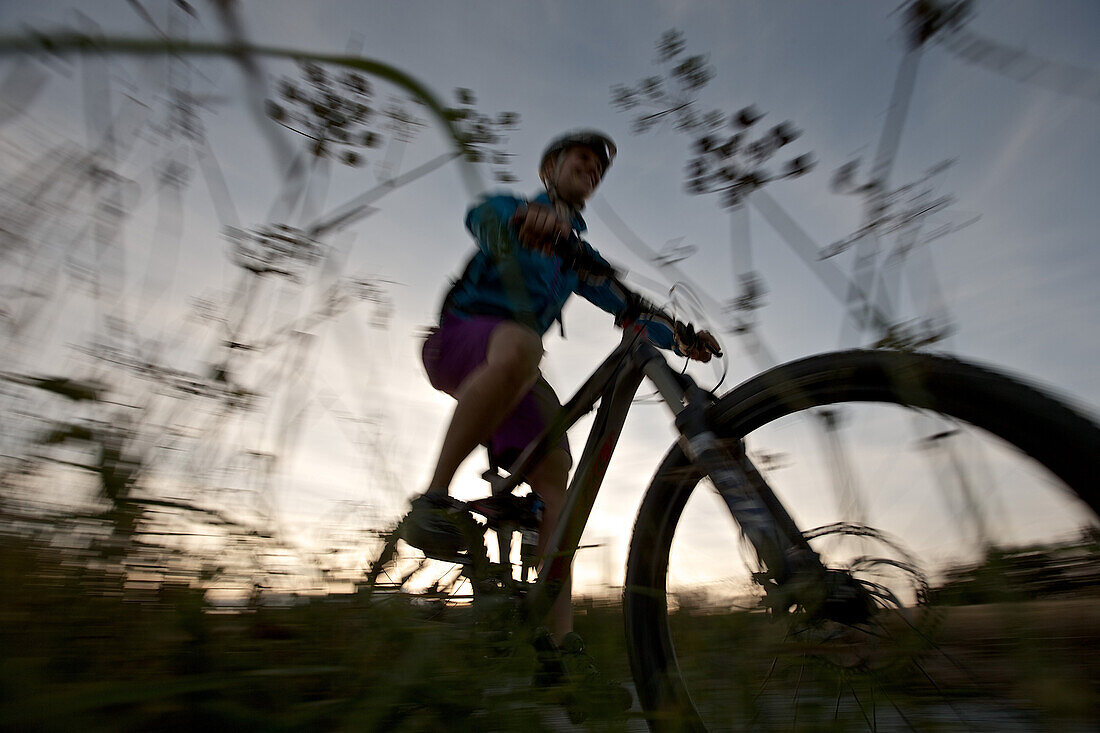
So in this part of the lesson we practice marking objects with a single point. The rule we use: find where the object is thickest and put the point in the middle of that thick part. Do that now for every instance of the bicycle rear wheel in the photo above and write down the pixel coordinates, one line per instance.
(982, 616)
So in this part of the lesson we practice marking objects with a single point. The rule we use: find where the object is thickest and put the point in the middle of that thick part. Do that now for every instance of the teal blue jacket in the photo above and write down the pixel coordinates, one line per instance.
(506, 279)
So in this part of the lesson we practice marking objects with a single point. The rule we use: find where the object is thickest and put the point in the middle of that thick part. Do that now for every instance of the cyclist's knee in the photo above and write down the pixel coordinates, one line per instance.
(515, 352)
(559, 462)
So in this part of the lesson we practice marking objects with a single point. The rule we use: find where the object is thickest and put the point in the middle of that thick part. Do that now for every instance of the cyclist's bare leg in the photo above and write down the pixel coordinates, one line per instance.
(484, 400)
(488, 395)
(549, 480)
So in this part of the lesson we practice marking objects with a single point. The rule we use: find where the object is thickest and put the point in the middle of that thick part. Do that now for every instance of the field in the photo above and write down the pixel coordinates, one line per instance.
(82, 649)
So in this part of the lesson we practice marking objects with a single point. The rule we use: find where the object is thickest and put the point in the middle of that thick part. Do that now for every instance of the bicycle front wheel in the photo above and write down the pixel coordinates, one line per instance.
(962, 501)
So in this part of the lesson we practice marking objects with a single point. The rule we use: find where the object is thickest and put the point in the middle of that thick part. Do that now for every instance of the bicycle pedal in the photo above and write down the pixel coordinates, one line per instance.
(495, 480)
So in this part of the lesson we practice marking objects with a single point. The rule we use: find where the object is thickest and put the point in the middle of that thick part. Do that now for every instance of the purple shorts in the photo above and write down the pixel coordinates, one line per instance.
(456, 349)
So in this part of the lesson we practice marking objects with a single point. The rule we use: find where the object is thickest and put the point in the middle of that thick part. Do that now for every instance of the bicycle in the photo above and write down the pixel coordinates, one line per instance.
(844, 604)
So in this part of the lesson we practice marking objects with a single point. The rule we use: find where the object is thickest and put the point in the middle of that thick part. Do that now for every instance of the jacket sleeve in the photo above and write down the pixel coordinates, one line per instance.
(602, 292)
(488, 222)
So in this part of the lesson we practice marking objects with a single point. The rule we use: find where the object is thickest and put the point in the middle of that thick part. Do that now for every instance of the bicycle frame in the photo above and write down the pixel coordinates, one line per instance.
(614, 384)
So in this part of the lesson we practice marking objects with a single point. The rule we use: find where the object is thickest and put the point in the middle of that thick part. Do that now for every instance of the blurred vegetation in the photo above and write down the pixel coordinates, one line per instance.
(87, 645)
(1063, 570)
(84, 647)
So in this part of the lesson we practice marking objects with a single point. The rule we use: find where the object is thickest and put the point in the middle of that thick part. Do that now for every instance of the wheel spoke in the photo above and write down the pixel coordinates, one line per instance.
(947, 700)
(839, 695)
(870, 720)
(797, 690)
(899, 710)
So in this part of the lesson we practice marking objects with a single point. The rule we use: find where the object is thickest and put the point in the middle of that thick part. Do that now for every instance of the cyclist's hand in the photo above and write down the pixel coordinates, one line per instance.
(705, 346)
(699, 346)
(539, 228)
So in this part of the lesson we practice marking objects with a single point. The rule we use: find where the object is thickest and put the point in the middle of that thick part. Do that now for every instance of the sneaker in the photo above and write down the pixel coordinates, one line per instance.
(430, 526)
(567, 668)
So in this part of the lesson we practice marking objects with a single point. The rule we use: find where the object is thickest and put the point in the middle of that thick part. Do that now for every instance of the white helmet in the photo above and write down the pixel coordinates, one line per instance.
(601, 144)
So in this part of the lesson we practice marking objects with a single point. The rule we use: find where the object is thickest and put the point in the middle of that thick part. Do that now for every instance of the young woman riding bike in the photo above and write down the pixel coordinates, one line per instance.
(488, 345)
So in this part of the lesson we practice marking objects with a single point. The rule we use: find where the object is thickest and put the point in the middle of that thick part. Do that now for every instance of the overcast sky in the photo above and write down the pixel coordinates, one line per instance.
(1019, 282)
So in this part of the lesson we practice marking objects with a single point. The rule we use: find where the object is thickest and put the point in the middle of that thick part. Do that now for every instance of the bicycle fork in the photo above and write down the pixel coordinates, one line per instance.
(773, 534)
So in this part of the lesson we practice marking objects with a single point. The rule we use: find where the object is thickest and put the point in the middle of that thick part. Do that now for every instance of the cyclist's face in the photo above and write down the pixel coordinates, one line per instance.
(579, 172)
